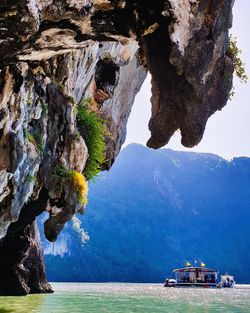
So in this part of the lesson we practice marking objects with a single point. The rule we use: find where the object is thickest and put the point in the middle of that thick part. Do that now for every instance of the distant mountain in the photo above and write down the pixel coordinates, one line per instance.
(155, 210)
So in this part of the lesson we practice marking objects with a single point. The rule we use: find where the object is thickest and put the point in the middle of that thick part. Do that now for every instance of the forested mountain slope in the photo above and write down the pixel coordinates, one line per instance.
(155, 210)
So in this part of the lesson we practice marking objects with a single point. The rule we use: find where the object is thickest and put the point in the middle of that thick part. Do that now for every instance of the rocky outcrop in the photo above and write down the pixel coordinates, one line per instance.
(22, 263)
(194, 82)
(56, 54)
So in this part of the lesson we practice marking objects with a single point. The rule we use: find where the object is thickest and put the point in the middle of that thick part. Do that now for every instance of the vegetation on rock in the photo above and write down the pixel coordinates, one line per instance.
(44, 107)
(81, 185)
(238, 63)
(30, 178)
(29, 136)
(239, 66)
(35, 138)
(74, 179)
(39, 140)
(93, 129)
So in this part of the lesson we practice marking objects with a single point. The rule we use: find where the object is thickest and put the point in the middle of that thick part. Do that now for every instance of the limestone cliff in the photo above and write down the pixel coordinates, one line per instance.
(55, 54)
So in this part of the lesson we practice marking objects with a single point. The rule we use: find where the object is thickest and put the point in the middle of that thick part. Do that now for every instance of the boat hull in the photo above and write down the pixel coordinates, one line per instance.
(194, 285)
(199, 285)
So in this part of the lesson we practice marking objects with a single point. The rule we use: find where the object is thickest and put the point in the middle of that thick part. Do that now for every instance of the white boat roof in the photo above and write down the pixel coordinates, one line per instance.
(194, 269)
(226, 276)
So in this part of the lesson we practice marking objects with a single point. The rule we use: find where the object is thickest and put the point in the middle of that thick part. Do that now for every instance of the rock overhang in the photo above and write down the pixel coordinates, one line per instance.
(55, 54)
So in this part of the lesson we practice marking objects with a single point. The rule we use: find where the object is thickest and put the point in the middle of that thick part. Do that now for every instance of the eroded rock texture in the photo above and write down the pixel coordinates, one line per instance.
(54, 54)
(22, 262)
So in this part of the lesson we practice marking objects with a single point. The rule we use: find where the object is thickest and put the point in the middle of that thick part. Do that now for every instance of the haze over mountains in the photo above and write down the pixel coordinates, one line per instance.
(155, 210)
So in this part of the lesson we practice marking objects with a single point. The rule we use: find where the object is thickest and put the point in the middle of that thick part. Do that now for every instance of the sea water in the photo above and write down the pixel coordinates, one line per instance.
(130, 298)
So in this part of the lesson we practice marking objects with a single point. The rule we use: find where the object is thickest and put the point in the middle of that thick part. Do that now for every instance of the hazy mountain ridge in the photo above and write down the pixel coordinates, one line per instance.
(153, 211)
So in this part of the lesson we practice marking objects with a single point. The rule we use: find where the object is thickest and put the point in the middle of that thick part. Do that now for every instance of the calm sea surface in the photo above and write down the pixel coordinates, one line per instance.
(130, 298)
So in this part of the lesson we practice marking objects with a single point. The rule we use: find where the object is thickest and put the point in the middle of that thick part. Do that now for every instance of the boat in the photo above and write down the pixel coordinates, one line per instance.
(194, 276)
(170, 282)
(227, 281)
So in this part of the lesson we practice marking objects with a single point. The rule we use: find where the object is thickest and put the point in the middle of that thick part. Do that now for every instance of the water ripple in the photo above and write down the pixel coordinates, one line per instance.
(130, 298)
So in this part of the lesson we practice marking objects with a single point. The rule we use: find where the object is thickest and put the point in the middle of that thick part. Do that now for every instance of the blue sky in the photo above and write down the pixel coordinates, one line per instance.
(228, 131)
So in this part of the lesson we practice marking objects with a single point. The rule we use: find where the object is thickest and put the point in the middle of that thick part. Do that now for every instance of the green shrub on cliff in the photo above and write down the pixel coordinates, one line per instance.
(92, 128)
(35, 138)
(30, 179)
(39, 140)
(238, 64)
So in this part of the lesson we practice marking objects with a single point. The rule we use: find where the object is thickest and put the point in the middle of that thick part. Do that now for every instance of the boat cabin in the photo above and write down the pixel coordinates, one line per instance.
(196, 276)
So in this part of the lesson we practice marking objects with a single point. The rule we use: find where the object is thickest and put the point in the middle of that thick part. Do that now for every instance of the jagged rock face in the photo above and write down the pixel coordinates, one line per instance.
(189, 88)
(54, 54)
(22, 263)
(44, 104)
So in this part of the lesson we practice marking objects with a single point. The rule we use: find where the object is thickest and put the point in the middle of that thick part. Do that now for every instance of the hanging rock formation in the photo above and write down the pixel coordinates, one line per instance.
(55, 54)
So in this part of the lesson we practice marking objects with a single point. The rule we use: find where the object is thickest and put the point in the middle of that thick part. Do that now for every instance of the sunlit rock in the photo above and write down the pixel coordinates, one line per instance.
(57, 54)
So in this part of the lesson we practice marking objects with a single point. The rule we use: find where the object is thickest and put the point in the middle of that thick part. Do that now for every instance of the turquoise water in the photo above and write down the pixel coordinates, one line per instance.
(130, 298)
